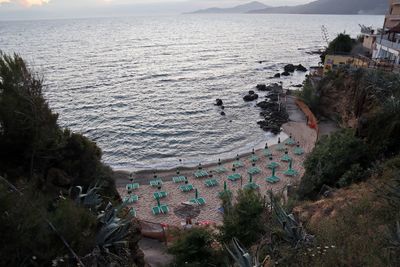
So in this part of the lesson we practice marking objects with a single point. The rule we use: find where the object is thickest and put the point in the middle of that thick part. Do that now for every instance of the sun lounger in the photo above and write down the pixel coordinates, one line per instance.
(211, 182)
(238, 164)
(234, 177)
(280, 147)
(220, 169)
(186, 188)
(251, 186)
(200, 174)
(298, 151)
(273, 165)
(286, 158)
(130, 199)
(272, 180)
(254, 158)
(254, 170)
(267, 152)
(178, 179)
(160, 209)
(156, 183)
(160, 194)
(290, 142)
(132, 186)
(199, 201)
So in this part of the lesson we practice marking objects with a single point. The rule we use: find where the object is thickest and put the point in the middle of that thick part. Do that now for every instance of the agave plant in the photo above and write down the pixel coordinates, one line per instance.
(294, 232)
(241, 256)
(90, 200)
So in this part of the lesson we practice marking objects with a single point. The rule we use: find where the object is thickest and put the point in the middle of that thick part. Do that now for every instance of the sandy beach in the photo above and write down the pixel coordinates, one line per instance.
(209, 212)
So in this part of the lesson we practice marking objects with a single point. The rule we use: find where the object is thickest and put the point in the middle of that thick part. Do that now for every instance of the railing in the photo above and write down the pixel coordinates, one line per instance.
(387, 43)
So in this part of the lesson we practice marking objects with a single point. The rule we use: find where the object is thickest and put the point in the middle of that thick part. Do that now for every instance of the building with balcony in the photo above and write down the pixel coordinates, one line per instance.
(387, 44)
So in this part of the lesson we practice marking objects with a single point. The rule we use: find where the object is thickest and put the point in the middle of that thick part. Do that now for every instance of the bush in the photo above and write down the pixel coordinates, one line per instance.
(332, 157)
(309, 95)
(194, 248)
(245, 219)
(343, 43)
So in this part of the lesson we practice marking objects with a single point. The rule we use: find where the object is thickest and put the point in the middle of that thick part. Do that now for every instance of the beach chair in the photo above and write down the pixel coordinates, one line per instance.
(253, 170)
(132, 186)
(290, 142)
(156, 183)
(252, 186)
(186, 188)
(220, 169)
(199, 201)
(164, 208)
(273, 165)
(161, 194)
(286, 158)
(200, 174)
(280, 147)
(234, 177)
(254, 158)
(211, 182)
(267, 152)
(178, 179)
(298, 151)
(130, 199)
(238, 164)
(272, 180)
(156, 210)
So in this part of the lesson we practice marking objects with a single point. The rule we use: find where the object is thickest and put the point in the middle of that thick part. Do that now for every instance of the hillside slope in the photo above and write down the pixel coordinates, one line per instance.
(331, 7)
(237, 9)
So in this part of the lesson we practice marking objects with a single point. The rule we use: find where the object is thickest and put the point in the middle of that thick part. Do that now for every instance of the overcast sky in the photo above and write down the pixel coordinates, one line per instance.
(44, 9)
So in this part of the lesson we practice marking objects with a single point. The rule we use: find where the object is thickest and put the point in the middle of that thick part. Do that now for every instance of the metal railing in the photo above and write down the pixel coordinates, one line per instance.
(388, 43)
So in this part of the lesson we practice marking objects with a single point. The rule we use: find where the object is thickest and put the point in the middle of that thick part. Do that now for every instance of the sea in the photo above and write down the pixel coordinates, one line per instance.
(143, 88)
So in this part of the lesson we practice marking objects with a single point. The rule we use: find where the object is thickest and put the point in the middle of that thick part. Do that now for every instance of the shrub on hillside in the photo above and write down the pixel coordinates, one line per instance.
(194, 248)
(244, 220)
(332, 157)
(342, 44)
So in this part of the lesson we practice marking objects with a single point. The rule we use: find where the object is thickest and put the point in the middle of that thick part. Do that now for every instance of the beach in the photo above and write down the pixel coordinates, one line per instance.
(210, 211)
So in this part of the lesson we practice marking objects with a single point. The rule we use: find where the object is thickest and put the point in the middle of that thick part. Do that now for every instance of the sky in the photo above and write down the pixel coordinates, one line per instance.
(49, 9)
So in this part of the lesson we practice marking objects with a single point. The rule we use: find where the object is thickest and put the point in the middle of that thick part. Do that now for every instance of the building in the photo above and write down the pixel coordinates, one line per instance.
(387, 44)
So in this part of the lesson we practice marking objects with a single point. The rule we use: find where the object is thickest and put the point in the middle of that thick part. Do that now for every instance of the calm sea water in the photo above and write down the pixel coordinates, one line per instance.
(143, 87)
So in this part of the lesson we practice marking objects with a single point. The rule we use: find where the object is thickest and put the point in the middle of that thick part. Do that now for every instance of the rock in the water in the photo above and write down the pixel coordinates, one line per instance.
(285, 73)
(278, 75)
(222, 107)
(223, 113)
(219, 102)
(251, 92)
(301, 68)
(261, 87)
(289, 68)
(250, 97)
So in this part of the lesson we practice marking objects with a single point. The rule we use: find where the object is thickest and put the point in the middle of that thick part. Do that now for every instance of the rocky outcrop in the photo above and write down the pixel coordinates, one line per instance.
(301, 68)
(251, 96)
(219, 102)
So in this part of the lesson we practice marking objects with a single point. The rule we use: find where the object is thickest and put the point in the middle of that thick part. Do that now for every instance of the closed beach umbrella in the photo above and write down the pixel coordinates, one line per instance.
(225, 186)
(158, 202)
(196, 193)
(250, 178)
(219, 162)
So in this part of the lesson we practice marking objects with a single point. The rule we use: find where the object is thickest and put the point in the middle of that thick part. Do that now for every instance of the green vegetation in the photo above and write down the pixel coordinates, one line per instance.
(245, 219)
(334, 162)
(309, 95)
(342, 44)
(194, 248)
(52, 214)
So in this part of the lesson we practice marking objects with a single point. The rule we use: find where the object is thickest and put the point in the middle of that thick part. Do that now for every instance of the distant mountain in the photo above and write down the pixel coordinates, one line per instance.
(237, 9)
(331, 7)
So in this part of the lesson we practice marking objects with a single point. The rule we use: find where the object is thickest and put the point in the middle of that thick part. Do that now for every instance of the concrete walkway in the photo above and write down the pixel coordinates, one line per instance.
(155, 253)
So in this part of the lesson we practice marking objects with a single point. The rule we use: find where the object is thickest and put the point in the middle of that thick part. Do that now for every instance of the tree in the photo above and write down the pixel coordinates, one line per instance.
(244, 220)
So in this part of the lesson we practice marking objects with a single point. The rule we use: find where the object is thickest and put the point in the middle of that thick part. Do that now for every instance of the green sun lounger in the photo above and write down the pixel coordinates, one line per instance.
(298, 151)
(186, 188)
(220, 169)
(273, 165)
(252, 186)
(156, 183)
(132, 186)
(280, 147)
(234, 177)
(267, 152)
(130, 199)
(286, 158)
(254, 158)
(199, 201)
(272, 180)
(160, 194)
(200, 174)
(254, 170)
(290, 142)
(211, 182)
(160, 209)
(178, 179)
(238, 164)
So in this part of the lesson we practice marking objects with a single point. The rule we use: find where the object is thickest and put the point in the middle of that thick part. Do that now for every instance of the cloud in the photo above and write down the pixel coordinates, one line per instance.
(26, 3)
